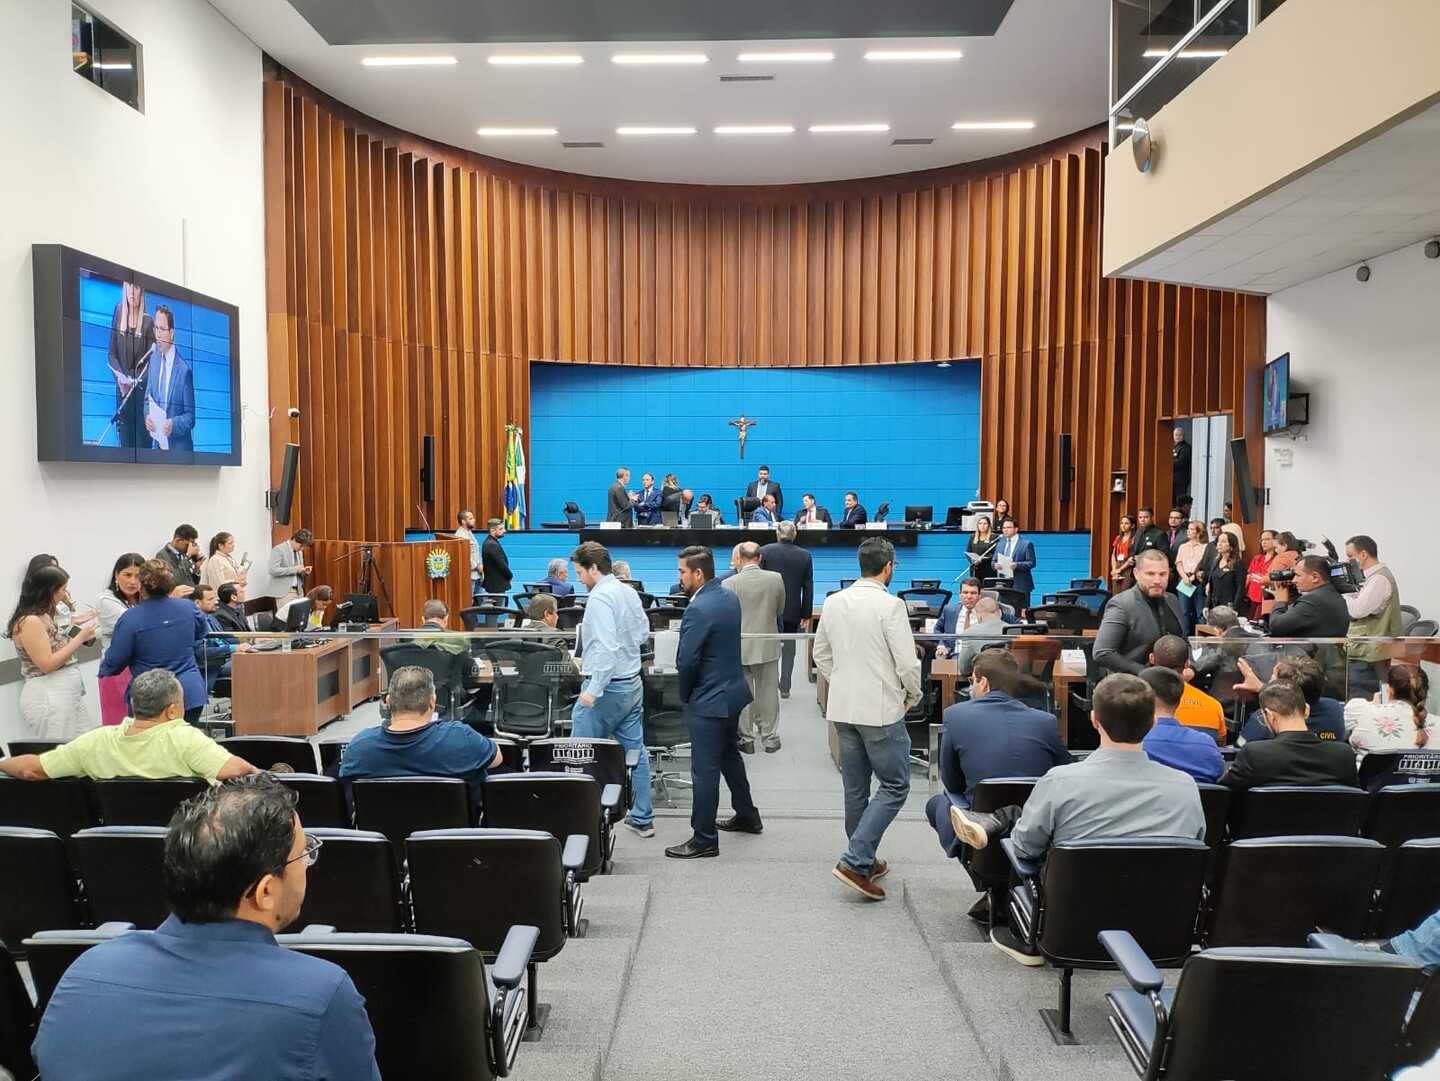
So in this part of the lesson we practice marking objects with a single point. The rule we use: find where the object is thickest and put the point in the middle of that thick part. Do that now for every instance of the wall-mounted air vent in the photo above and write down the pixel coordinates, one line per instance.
(911, 142)
(593, 145)
(747, 78)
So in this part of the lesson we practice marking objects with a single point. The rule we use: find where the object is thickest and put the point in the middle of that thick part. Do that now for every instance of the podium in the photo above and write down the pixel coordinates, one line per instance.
(401, 566)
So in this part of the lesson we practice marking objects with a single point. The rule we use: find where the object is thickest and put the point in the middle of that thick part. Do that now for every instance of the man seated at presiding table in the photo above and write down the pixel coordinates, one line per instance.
(435, 630)
(156, 742)
(414, 743)
(1197, 709)
(210, 993)
(766, 512)
(1173, 744)
(1296, 755)
(1326, 717)
(1116, 792)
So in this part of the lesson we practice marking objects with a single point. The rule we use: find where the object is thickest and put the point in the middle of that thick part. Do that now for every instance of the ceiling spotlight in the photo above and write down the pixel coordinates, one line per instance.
(539, 60)
(516, 131)
(835, 129)
(755, 129)
(914, 54)
(408, 61)
(117, 66)
(1432, 249)
(993, 125)
(819, 57)
(943, 364)
(642, 129)
(1362, 272)
(659, 58)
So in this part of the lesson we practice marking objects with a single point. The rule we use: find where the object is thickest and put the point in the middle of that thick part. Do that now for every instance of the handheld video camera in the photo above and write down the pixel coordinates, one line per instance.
(1345, 574)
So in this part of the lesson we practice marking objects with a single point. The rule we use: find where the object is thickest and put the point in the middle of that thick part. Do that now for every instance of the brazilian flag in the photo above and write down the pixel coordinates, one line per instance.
(513, 494)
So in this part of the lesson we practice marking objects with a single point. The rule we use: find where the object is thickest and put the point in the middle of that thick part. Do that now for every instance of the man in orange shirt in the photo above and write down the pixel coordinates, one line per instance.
(1197, 709)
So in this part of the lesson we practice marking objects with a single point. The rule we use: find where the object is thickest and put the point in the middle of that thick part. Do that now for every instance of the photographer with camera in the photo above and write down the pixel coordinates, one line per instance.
(1306, 603)
(1374, 613)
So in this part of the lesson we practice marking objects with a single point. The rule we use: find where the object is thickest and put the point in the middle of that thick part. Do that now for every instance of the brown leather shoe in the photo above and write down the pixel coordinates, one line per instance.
(880, 870)
(861, 884)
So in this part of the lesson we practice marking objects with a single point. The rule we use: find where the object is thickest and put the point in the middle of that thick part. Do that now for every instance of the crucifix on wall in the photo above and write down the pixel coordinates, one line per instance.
(744, 424)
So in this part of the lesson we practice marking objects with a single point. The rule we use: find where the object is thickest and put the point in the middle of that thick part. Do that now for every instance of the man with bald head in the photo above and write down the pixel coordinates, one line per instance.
(762, 605)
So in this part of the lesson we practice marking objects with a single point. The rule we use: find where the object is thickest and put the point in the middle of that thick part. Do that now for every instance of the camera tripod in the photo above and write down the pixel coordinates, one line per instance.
(369, 566)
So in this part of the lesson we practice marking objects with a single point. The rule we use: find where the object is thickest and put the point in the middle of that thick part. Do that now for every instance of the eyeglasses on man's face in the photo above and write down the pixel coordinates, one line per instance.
(311, 852)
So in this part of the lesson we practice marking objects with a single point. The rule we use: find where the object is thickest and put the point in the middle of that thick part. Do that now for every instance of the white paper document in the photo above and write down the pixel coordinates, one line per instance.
(156, 416)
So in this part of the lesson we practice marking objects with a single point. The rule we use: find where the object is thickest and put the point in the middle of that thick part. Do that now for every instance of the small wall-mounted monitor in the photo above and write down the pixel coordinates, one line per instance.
(920, 514)
(1275, 406)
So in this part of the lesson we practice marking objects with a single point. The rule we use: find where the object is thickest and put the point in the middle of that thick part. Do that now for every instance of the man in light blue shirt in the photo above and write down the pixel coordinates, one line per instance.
(612, 695)
(466, 532)
(1173, 744)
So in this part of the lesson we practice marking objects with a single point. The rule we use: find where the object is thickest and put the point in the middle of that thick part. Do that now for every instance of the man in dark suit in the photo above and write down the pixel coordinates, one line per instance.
(763, 485)
(811, 512)
(992, 735)
(647, 501)
(1179, 465)
(1015, 559)
(494, 561)
(618, 505)
(177, 555)
(713, 688)
(230, 612)
(854, 513)
(169, 388)
(1309, 606)
(793, 564)
(1147, 534)
(1137, 618)
(1296, 755)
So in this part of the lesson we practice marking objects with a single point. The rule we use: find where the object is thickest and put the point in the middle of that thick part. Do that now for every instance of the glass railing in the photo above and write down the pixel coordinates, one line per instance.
(1159, 48)
(521, 684)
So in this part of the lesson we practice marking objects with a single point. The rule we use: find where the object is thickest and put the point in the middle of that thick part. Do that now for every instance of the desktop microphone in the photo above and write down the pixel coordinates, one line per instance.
(423, 520)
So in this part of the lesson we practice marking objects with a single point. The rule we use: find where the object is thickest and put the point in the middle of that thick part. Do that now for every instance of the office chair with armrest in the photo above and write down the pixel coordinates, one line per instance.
(661, 616)
(526, 701)
(665, 731)
(574, 516)
(448, 669)
(490, 617)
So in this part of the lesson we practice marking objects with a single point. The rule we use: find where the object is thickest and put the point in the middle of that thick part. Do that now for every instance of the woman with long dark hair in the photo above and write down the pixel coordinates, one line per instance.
(1122, 556)
(160, 632)
(1258, 576)
(132, 337)
(52, 700)
(122, 594)
(1286, 555)
(1224, 583)
(221, 566)
(1396, 718)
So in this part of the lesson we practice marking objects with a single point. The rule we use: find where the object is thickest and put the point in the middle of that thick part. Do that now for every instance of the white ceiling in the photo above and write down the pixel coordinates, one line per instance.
(1047, 63)
(1378, 197)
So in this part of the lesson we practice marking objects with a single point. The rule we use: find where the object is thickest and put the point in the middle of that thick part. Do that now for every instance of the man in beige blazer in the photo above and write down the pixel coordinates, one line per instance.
(762, 602)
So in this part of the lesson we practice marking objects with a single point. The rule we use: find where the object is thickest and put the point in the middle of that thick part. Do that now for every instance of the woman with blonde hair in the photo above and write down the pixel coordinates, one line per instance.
(132, 337)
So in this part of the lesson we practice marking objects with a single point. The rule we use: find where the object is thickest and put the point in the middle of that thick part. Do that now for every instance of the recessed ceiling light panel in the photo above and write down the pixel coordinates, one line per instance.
(652, 129)
(755, 129)
(659, 58)
(409, 61)
(994, 125)
(838, 129)
(813, 57)
(918, 55)
(516, 131)
(520, 60)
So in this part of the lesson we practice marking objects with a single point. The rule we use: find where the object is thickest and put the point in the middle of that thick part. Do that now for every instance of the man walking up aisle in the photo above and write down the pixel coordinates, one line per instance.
(762, 603)
(612, 697)
(865, 649)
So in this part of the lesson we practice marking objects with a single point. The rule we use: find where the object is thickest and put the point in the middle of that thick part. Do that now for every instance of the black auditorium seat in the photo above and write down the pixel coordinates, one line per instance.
(141, 801)
(561, 804)
(435, 1010)
(1283, 810)
(18, 747)
(399, 806)
(477, 884)
(1148, 886)
(319, 800)
(604, 759)
(262, 752)
(1326, 1015)
(62, 806)
(990, 863)
(1273, 891)
(1404, 812)
(121, 867)
(355, 885)
(1412, 887)
(17, 1019)
(37, 885)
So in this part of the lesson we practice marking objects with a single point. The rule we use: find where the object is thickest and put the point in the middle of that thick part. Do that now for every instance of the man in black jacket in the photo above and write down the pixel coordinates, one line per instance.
(230, 613)
(1309, 606)
(1147, 534)
(793, 564)
(1296, 755)
(494, 561)
(1138, 618)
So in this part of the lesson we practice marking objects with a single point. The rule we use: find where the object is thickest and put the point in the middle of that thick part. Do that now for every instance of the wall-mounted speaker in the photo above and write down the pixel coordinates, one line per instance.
(427, 469)
(285, 496)
(1245, 493)
(1067, 466)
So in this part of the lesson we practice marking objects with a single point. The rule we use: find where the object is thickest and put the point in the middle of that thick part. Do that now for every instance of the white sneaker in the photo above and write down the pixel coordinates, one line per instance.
(967, 829)
(639, 829)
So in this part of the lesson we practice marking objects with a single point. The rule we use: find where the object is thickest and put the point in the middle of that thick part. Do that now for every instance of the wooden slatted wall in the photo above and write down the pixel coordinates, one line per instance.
(410, 285)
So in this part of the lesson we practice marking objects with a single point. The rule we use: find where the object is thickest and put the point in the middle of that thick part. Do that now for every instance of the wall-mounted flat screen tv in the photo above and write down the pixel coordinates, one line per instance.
(131, 368)
(1276, 405)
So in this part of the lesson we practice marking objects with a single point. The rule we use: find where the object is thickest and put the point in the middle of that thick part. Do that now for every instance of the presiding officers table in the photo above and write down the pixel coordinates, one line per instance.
(729, 536)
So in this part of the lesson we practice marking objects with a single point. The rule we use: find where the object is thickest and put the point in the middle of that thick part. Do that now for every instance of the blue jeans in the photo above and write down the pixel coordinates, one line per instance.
(715, 750)
(1422, 944)
(619, 714)
(884, 751)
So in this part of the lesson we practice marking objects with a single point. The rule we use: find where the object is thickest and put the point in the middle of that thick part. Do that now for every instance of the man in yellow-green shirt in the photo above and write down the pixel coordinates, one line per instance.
(155, 743)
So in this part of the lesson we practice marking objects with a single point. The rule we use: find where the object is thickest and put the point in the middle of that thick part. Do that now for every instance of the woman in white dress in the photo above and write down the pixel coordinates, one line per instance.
(52, 701)
(1393, 721)
(222, 566)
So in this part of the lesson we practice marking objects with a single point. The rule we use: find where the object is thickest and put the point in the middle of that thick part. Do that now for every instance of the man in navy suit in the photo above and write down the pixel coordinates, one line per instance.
(812, 513)
(169, 384)
(1015, 559)
(793, 564)
(647, 501)
(766, 513)
(713, 688)
(992, 735)
(854, 513)
(762, 486)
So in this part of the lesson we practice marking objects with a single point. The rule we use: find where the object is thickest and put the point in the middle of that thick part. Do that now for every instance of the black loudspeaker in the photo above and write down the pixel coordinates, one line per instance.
(285, 496)
(1244, 486)
(1067, 467)
(427, 468)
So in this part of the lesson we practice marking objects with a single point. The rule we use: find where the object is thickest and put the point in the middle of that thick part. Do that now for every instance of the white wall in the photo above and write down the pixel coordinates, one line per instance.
(1369, 462)
(85, 170)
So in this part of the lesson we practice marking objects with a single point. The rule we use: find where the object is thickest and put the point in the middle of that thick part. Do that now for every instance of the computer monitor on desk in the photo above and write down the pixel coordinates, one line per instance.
(702, 519)
(918, 515)
(297, 615)
(364, 608)
(340, 615)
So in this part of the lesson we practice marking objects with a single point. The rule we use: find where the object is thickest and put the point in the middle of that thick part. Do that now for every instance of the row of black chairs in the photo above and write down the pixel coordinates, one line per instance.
(436, 1008)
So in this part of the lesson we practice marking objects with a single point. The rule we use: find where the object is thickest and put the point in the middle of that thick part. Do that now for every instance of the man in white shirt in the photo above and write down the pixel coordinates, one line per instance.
(466, 532)
(1374, 613)
(866, 651)
(762, 486)
(169, 389)
(812, 513)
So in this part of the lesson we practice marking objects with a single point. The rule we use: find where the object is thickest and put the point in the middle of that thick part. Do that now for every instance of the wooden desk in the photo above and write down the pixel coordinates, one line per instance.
(290, 692)
(367, 674)
(946, 672)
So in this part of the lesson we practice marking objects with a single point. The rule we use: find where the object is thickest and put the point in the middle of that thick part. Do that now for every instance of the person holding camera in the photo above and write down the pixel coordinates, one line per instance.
(1306, 603)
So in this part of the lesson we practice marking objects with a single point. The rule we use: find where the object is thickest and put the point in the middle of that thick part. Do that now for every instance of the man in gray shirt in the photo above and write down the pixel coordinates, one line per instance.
(1116, 792)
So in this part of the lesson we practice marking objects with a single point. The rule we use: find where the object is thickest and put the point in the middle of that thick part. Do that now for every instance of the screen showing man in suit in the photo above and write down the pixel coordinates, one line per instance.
(169, 389)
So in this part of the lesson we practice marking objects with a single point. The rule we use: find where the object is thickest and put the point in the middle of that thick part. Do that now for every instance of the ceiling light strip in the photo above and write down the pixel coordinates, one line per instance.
(516, 131)
(815, 57)
(1185, 54)
(408, 61)
(518, 60)
(993, 125)
(913, 54)
(755, 129)
(659, 58)
(838, 129)
(651, 129)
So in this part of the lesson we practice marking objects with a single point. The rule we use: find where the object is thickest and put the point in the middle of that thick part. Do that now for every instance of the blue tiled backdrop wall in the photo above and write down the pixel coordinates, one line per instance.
(1059, 558)
(906, 434)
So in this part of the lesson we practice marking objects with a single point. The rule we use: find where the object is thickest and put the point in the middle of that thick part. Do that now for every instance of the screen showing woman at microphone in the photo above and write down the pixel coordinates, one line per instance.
(132, 338)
